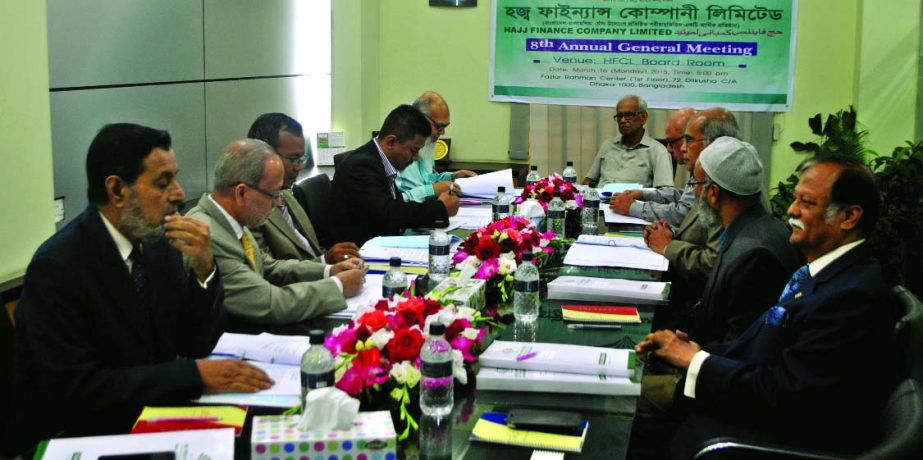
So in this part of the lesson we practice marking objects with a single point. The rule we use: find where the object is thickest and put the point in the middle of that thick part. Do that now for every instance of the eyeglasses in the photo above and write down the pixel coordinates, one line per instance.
(689, 139)
(272, 196)
(439, 126)
(697, 182)
(299, 160)
(673, 141)
(628, 115)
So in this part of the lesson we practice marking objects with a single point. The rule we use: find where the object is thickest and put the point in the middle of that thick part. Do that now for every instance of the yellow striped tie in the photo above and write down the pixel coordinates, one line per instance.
(248, 249)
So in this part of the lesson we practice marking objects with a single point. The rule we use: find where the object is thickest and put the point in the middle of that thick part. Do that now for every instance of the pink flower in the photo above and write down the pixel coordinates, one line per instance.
(488, 269)
(464, 344)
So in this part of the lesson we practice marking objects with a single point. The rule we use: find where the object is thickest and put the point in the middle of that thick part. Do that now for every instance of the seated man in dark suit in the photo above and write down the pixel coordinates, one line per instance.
(368, 202)
(109, 303)
(820, 352)
(288, 232)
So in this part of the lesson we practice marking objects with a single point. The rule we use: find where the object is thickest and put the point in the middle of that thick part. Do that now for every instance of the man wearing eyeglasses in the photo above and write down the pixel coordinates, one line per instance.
(419, 181)
(288, 232)
(634, 157)
(264, 294)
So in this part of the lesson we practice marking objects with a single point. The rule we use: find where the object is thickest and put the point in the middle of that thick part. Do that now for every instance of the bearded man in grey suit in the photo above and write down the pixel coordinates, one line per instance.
(288, 232)
(263, 293)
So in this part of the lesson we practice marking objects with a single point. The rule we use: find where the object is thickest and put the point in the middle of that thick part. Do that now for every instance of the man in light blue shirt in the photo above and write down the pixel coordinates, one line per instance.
(419, 181)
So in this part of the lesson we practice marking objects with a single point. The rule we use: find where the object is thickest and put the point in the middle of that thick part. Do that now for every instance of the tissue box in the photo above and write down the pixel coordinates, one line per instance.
(470, 294)
(371, 437)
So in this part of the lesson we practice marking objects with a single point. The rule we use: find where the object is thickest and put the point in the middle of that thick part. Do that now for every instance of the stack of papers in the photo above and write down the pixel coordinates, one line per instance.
(485, 185)
(608, 290)
(619, 187)
(413, 250)
(613, 217)
(600, 314)
(558, 368)
(157, 419)
(185, 445)
(631, 256)
(368, 296)
(471, 217)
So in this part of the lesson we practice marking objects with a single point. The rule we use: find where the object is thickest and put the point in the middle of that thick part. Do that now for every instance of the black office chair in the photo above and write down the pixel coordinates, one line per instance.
(314, 194)
(6, 375)
(908, 332)
(901, 426)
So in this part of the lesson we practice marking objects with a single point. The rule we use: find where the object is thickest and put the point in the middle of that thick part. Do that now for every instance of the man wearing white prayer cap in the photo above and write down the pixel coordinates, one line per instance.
(755, 259)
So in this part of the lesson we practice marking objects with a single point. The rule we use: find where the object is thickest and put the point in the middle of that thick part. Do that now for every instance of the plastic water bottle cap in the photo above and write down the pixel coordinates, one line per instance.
(316, 336)
(436, 328)
(395, 262)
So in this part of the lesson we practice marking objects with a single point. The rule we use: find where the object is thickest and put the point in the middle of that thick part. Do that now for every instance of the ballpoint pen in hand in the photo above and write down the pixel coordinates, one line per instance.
(593, 326)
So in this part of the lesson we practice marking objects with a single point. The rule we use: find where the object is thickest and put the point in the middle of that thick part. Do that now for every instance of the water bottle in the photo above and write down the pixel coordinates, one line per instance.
(590, 217)
(533, 175)
(570, 174)
(601, 224)
(500, 206)
(436, 396)
(439, 261)
(395, 281)
(556, 214)
(525, 290)
(316, 365)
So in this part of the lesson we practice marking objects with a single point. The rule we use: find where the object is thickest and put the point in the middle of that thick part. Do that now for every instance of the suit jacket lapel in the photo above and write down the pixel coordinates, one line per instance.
(300, 218)
(110, 264)
(278, 221)
(217, 216)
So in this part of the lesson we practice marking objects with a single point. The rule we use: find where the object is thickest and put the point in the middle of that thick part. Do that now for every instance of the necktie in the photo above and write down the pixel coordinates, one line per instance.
(291, 223)
(137, 276)
(248, 249)
(799, 277)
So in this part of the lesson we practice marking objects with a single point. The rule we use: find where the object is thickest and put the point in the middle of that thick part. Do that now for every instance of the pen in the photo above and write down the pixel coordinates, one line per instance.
(184, 419)
(526, 356)
(593, 326)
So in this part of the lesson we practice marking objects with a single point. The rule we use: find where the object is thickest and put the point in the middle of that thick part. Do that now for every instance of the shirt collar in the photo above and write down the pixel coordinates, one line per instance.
(121, 243)
(644, 142)
(238, 230)
(823, 261)
(389, 168)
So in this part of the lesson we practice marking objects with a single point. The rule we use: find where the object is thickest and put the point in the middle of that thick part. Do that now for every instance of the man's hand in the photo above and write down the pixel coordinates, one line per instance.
(193, 238)
(588, 181)
(463, 173)
(658, 235)
(621, 202)
(232, 376)
(340, 251)
(352, 280)
(346, 265)
(673, 347)
(444, 187)
(451, 203)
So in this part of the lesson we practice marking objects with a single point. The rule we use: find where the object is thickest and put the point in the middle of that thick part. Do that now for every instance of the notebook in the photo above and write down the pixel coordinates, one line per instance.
(156, 419)
(491, 427)
(600, 314)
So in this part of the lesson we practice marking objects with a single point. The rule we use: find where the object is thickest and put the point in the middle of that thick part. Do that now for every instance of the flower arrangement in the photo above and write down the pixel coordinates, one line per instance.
(379, 352)
(543, 191)
(493, 252)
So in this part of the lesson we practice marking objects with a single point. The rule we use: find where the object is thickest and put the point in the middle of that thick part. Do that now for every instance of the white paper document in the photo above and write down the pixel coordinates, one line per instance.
(619, 187)
(607, 290)
(556, 357)
(286, 392)
(587, 255)
(409, 256)
(613, 217)
(368, 296)
(485, 185)
(623, 241)
(265, 347)
(217, 444)
(471, 217)
(491, 378)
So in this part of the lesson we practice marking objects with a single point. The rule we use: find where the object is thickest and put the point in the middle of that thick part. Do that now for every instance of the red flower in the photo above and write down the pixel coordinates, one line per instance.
(405, 345)
(374, 319)
(457, 327)
(487, 249)
(368, 358)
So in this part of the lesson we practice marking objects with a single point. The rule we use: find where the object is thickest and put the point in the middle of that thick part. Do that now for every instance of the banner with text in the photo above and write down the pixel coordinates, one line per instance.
(734, 53)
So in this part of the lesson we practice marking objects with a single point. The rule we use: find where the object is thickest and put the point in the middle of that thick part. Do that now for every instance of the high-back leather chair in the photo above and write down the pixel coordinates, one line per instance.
(901, 428)
(315, 195)
(908, 332)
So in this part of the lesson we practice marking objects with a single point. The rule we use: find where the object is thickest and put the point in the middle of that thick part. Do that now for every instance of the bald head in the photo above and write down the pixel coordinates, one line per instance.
(703, 128)
(431, 104)
(676, 126)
